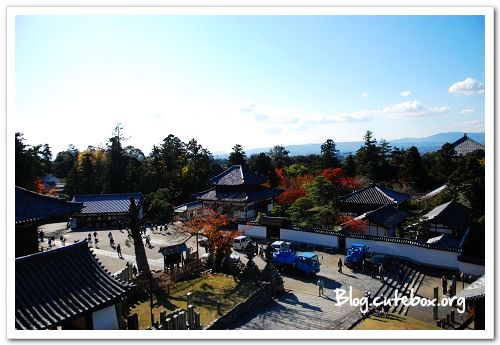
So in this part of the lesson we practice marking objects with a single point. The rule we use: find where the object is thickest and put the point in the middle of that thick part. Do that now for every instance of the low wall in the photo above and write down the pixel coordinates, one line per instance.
(471, 269)
(331, 241)
(255, 231)
(259, 297)
(421, 255)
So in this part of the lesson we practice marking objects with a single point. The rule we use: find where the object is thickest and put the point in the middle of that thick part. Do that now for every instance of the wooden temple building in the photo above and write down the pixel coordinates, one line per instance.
(370, 198)
(67, 288)
(104, 210)
(34, 210)
(466, 145)
(239, 193)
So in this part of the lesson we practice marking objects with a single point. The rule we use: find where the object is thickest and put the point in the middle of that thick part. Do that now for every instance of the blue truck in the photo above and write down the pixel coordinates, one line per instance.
(355, 255)
(306, 263)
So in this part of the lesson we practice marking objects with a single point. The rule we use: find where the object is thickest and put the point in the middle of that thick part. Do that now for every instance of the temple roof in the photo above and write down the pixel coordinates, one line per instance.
(32, 207)
(375, 195)
(452, 214)
(237, 175)
(466, 145)
(387, 216)
(107, 203)
(250, 195)
(61, 284)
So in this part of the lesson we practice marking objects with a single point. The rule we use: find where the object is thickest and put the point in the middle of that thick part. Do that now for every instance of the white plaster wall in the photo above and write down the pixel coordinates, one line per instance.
(255, 231)
(309, 237)
(471, 269)
(426, 256)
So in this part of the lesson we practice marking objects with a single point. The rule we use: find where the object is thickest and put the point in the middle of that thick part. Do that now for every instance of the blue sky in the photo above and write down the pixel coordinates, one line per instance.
(253, 80)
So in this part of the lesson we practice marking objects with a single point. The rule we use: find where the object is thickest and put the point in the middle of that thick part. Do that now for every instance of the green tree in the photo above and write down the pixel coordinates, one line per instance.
(368, 158)
(237, 156)
(24, 164)
(444, 163)
(261, 164)
(87, 176)
(64, 162)
(349, 166)
(279, 156)
(413, 170)
(114, 180)
(296, 169)
(329, 153)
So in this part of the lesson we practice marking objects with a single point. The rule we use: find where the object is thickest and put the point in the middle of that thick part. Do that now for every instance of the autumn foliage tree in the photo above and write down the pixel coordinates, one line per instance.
(219, 243)
(357, 226)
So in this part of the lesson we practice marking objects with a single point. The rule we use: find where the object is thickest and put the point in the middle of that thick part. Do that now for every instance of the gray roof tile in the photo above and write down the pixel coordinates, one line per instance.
(31, 207)
(62, 284)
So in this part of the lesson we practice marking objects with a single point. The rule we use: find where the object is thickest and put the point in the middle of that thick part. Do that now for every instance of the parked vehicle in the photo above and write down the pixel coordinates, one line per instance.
(355, 255)
(306, 263)
(280, 245)
(241, 242)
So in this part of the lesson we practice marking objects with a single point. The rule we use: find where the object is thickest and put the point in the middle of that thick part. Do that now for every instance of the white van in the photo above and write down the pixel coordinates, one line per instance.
(280, 245)
(241, 242)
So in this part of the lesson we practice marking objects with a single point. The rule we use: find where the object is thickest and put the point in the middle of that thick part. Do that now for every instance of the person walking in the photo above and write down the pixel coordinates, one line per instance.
(321, 285)
(41, 235)
(381, 272)
(340, 265)
(400, 276)
(96, 241)
(444, 283)
(148, 241)
(119, 251)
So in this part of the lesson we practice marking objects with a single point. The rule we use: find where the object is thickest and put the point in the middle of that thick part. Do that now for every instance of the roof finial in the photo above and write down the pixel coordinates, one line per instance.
(465, 135)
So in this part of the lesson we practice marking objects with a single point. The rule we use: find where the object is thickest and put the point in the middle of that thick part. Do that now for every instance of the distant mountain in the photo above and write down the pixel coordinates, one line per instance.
(425, 144)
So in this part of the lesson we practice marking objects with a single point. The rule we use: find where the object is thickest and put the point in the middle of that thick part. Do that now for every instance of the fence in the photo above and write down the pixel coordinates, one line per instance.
(412, 250)
(125, 274)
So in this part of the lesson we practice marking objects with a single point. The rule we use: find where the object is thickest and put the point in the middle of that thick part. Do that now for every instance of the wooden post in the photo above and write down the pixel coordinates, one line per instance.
(218, 308)
(435, 308)
(163, 317)
(452, 316)
(175, 322)
(189, 298)
(453, 291)
(443, 322)
(133, 322)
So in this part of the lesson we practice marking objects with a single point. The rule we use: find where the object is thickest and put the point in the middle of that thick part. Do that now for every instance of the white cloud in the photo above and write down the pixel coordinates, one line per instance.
(405, 93)
(261, 117)
(467, 87)
(470, 126)
(366, 94)
(247, 108)
(467, 111)
(412, 108)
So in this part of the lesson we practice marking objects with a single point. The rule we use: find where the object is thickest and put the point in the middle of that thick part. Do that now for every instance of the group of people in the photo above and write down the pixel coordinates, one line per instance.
(379, 310)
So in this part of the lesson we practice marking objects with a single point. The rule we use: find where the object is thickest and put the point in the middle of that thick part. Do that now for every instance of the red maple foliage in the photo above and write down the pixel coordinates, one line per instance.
(358, 226)
(338, 176)
(282, 181)
(289, 196)
(39, 186)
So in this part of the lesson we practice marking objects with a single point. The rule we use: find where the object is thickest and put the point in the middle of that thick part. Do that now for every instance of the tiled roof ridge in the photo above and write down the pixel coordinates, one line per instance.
(384, 193)
(46, 196)
(30, 259)
(109, 194)
(224, 172)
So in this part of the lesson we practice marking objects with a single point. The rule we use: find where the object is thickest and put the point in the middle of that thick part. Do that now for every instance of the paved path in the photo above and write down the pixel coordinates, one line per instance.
(297, 310)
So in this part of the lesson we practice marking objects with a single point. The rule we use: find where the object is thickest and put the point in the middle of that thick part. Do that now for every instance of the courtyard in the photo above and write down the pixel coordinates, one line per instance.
(300, 301)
